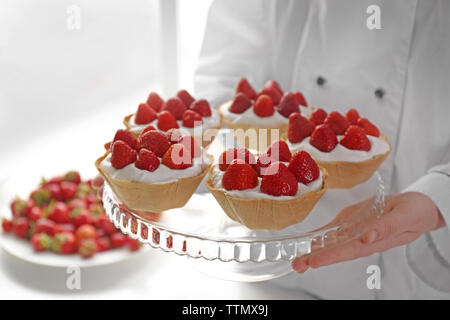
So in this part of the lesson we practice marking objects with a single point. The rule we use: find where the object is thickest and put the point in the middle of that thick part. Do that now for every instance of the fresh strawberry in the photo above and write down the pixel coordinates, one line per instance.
(240, 103)
(87, 248)
(278, 180)
(279, 150)
(201, 107)
(144, 114)
(288, 105)
(174, 135)
(352, 116)
(72, 176)
(272, 84)
(7, 225)
(126, 136)
(40, 197)
(55, 191)
(68, 189)
(77, 203)
(147, 128)
(133, 245)
(166, 121)
(301, 99)
(122, 154)
(177, 157)
(147, 160)
(85, 231)
(65, 227)
(273, 93)
(299, 128)
(368, 127)
(355, 139)
(318, 116)
(21, 227)
(154, 101)
(192, 119)
(59, 213)
(263, 106)
(107, 146)
(175, 106)
(45, 226)
(64, 242)
(323, 138)
(264, 160)
(79, 216)
(155, 141)
(118, 239)
(103, 244)
(35, 213)
(40, 242)
(106, 225)
(239, 176)
(304, 168)
(19, 208)
(337, 122)
(186, 97)
(191, 145)
(245, 88)
(235, 153)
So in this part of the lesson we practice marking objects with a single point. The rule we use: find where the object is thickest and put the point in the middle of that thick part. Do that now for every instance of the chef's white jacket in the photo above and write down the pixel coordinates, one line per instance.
(398, 76)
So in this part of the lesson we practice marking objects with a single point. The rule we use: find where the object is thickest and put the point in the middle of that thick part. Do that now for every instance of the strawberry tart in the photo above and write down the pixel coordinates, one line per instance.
(349, 147)
(272, 191)
(191, 116)
(154, 172)
(266, 112)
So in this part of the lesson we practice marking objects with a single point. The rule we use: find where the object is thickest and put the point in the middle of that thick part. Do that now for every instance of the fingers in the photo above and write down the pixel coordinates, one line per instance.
(97, 182)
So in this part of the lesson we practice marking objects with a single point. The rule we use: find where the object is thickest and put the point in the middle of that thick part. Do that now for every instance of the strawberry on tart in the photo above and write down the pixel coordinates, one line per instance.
(156, 171)
(273, 191)
(349, 147)
(191, 116)
(265, 112)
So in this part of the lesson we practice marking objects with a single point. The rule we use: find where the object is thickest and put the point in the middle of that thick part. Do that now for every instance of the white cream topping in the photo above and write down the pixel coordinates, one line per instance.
(161, 175)
(341, 153)
(255, 193)
(250, 117)
(212, 121)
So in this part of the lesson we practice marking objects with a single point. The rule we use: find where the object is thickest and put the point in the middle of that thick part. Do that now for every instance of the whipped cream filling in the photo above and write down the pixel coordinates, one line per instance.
(161, 175)
(341, 153)
(251, 118)
(255, 193)
(212, 121)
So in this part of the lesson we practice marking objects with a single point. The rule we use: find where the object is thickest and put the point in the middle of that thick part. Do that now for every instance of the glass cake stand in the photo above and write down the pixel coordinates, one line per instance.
(222, 248)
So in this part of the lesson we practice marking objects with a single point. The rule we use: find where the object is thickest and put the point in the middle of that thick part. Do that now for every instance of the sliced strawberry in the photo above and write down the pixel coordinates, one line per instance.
(263, 106)
(288, 105)
(355, 139)
(278, 180)
(175, 106)
(318, 116)
(299, 128)
(273, 93)
(155, 101)
(352, 116)
(144, 114)
(174, 135)
(201, 107)
(272, 84)
(122, 154)
(192, 119)
(166, 121)
(301, 99)
(368, 127)
(177, 157)
(239, 176)
(323, 138)
(147, 160)
(235, 153)
(245, 88)
(186, 97)
(337, 122)
(191, 145)
(127, 137)
(279, 150)
(240, 103)
(155, 141)
(304, 168)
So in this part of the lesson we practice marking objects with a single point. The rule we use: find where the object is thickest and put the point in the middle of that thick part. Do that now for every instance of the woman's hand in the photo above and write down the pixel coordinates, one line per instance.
(406, 217)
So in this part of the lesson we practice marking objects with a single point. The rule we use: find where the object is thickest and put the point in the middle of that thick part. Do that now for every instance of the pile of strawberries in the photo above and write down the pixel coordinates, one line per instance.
(152, 148)
(279, 170)
(270, 99)
(65, 216)
(324, 128)
(181, 107)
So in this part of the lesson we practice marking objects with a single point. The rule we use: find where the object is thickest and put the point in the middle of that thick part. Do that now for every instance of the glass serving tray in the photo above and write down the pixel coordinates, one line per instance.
(223, 248)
